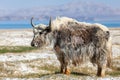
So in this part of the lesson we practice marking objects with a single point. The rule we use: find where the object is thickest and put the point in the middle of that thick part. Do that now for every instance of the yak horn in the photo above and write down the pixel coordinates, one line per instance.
(33, 25)
(50, 23)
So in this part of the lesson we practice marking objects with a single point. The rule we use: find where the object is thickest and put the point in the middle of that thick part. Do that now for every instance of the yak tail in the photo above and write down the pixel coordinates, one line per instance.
(109, 62)
(109, 56)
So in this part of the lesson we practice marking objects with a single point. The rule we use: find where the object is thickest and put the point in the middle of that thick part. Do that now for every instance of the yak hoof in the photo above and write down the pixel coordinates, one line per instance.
(101, 75)
(67, 72)
(101, 72)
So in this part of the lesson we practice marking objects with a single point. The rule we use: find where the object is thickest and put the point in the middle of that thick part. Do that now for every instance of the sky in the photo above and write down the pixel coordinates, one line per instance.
(19, 4)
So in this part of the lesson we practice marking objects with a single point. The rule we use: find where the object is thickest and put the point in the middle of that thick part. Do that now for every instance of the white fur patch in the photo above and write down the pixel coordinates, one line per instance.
(56, 24)
(61, 21)
(41, 26)
(38, 27)
(104, 28)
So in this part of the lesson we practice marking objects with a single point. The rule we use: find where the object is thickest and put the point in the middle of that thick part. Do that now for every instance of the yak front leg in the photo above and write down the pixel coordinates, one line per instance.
(60, 57)
(63, 61)
(64, 67)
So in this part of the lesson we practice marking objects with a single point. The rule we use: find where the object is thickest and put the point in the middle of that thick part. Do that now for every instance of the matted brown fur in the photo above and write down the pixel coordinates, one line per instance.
(78, 42)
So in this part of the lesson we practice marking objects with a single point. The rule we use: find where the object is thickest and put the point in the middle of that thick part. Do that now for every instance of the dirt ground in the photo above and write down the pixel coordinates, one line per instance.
(42, 64)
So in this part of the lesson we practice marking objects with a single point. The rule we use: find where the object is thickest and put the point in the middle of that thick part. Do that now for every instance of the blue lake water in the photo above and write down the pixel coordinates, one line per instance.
(26, 24)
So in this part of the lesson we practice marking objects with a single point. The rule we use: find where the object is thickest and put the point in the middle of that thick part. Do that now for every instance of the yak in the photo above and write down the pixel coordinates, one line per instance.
(75, 42)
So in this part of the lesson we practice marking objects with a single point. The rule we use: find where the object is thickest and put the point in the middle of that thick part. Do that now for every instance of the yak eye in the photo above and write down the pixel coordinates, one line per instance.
(40, 33)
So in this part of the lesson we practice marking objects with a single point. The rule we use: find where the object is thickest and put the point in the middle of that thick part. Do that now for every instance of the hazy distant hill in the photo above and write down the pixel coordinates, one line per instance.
(78, 10)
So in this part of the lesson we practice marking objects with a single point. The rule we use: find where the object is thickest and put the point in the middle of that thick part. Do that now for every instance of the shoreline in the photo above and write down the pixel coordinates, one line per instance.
(16, 29)
(114, 28)
(31, 28)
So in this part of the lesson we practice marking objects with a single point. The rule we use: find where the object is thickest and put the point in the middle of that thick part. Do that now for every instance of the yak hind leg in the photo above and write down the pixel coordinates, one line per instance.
(101, 71)
(62, 69)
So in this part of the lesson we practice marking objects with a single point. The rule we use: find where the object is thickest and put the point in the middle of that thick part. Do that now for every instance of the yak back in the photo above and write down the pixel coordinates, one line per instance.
(76, 35)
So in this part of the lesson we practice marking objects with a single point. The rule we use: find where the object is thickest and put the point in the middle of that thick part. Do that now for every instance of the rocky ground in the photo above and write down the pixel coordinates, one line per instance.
(42, 64)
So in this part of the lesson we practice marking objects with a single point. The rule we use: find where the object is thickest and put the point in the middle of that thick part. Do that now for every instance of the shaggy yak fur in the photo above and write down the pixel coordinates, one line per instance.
(75, 42)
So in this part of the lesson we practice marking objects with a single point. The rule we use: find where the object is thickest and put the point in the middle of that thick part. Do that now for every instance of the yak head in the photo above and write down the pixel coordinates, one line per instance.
(40, 31)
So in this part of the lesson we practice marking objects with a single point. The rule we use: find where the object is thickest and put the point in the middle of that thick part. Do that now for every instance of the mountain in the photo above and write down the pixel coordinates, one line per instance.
(78, 10)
